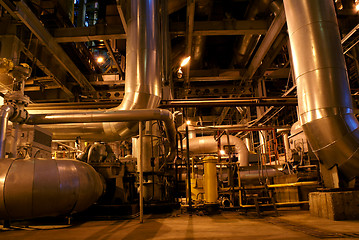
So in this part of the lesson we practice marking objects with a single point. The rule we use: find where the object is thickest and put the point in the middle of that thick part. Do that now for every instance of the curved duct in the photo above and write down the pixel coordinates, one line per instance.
(324, 98)
(31, 188)
(208, 144)
(143, 81)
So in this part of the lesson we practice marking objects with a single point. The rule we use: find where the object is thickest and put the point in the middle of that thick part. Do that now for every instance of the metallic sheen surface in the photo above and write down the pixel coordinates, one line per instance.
(208, 144)
(324, 98)
(143, 82)
(131, 116)
(5, 113)
(31, 188)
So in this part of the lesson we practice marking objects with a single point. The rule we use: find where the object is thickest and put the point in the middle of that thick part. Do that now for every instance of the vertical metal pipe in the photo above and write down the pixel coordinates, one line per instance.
(188, 172)
(324, 99)
(143, 88)
(5, 112)
(140, 126)
(81, 13)
(288, 154)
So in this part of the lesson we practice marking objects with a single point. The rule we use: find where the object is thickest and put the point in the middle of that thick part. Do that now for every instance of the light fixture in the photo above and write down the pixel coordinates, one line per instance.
(179, 73)
(188, 122)
(222, 152)
(357, 6)
(185, 61)
(100, 60)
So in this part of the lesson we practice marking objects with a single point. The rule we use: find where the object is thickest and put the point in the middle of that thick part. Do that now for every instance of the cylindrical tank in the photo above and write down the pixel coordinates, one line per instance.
(31, 188)
(210, 179)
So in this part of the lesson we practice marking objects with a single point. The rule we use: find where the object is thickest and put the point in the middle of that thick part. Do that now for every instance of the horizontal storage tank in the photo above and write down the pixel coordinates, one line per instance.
(31, 188)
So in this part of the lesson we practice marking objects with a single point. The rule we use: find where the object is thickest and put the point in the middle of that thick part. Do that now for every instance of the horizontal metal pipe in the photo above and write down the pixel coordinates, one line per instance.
(285, 101)
(208, 144)
(296, 184)
(113, 116)
(240, 127)
(277, 204)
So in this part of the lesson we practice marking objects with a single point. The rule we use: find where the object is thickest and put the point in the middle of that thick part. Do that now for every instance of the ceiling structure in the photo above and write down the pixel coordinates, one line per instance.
(239, 72)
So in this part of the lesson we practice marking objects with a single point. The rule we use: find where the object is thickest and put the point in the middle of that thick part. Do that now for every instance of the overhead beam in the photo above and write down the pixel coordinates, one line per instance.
(120, 4)
(49, 65)
(213, 28)
(200, 28)
(24, 13)
(92, 33)
(191, 4)
(271, 35)
(112, 55)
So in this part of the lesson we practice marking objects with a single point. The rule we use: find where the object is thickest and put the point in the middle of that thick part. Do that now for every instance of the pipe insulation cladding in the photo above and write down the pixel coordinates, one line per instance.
(31, 188)
(324, 99)
(143, 89)
(208, 144)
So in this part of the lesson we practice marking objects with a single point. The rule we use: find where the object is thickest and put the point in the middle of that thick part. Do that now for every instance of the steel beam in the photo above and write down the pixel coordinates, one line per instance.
(49, 65)
(200, 28)
(24, 13)
(213, 28)
(85, 34)
(191, 4)
(271, 35)
(120, 6)
(112, 55)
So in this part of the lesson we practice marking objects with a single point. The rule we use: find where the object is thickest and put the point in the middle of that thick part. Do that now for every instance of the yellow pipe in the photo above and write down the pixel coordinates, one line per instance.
(296, 184)
(277, 204)
(210, 179)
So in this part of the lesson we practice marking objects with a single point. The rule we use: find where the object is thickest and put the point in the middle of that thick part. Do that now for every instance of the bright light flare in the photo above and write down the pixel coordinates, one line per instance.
(185, 61)
(100, 59)
(357, 7)
(188, 122)
(222, 152)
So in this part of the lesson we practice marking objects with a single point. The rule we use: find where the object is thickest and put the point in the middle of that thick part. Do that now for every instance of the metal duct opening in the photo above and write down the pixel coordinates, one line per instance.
(208, 144)
(143, 82)
(324, 99)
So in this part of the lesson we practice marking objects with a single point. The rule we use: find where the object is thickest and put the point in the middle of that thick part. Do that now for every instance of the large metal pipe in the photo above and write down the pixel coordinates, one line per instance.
(32, 188)
(208, 144)
(131, 116)
(143, 81)
(325, 105)
(5, 113)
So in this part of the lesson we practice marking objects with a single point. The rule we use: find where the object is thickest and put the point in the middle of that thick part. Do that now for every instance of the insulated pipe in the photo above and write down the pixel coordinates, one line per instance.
(5, 112)
(31, 188)
(208, 144)
(325, 105)
(142, 83)
(131, 116)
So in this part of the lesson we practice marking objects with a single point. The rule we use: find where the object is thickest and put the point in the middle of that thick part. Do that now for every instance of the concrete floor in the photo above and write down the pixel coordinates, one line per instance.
(291, 224)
